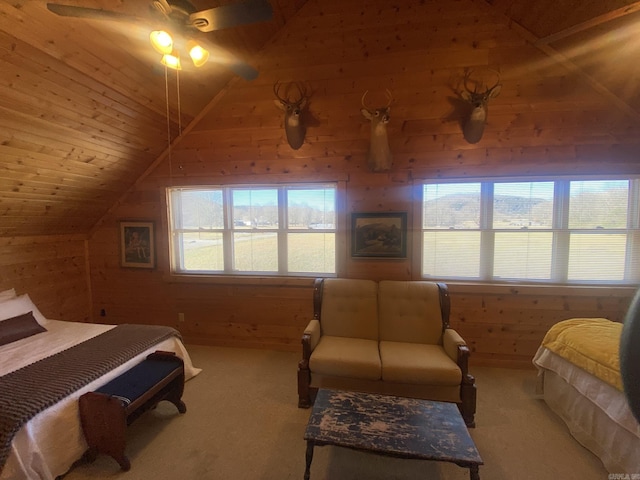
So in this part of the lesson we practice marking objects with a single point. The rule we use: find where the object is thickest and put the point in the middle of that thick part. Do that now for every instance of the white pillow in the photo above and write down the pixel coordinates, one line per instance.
(18, 306)
(8, 294)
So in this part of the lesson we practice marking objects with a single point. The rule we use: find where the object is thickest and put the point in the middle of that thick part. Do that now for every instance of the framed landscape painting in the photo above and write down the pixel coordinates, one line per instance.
(379, 235)
(137, 245)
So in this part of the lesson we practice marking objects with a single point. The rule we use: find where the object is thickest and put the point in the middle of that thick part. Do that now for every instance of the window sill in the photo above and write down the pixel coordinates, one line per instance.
(529, 289)
(454, 287)
(241, 280)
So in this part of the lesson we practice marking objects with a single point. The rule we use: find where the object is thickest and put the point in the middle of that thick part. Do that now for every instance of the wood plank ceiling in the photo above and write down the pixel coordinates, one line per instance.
(83, 103)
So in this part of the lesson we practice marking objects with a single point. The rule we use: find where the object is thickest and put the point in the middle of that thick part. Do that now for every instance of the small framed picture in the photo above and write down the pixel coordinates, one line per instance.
(379, 235)
(137, 240)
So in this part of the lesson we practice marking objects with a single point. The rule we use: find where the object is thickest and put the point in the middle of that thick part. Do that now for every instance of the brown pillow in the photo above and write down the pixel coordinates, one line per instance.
(19, 327)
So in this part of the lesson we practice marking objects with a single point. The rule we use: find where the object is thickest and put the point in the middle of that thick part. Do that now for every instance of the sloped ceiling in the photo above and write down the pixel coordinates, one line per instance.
(601, 38)
(83, 103)
(83, 109)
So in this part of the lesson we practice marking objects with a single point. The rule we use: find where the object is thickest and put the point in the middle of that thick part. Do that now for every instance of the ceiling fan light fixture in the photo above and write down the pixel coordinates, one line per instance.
(198, 54)
(172, 60)
(161, 41)
(200, 23)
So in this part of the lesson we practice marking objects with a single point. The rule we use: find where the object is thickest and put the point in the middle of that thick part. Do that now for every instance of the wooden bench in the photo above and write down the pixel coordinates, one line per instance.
(106, 412)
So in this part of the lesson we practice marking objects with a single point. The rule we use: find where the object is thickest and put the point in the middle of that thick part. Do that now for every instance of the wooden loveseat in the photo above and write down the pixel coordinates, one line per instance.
(391, 337)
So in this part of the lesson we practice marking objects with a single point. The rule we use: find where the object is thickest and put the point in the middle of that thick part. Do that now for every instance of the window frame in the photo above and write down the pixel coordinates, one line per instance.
(559, 229)
(176, 255)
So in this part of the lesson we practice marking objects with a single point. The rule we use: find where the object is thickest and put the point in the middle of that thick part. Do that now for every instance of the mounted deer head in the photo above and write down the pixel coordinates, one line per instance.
(473, 127)
(379, 156)
(293, 109)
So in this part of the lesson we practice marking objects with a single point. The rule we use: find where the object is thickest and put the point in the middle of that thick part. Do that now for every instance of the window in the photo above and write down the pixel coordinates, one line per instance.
(557, 231)
(271, 230)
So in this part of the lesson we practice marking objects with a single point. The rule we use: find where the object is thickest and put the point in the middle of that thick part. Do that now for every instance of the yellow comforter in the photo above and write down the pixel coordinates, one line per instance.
(592, 344)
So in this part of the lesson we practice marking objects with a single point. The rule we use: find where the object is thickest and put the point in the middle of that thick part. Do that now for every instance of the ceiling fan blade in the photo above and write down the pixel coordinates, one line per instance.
(226, 16)
(244, 70)
(228, 60)
(92, 13)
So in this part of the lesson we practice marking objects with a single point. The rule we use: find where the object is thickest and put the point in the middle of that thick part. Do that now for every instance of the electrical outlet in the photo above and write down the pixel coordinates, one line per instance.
(181, 317)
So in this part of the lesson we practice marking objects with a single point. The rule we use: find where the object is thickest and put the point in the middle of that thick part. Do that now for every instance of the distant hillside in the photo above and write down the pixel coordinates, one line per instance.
(506, 204)
(510, 205)
(588, 209)
(463, 210)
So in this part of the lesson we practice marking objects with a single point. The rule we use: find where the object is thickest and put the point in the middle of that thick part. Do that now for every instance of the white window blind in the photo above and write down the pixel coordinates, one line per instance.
(547, 230)
(253, 230)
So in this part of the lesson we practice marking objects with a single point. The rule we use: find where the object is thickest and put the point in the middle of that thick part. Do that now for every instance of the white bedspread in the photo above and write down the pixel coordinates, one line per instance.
(52, 441)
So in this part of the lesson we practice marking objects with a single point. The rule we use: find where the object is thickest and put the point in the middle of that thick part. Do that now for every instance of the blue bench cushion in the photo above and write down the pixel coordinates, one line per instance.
(135, 382)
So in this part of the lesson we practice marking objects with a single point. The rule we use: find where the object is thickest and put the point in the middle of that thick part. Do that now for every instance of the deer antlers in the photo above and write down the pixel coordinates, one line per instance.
(488, 91)
(387, 94)
(302, 93)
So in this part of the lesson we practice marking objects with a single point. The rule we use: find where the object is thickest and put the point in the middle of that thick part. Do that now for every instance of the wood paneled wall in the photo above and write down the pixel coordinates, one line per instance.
(52, 269)
(546, 121)
(504, 325)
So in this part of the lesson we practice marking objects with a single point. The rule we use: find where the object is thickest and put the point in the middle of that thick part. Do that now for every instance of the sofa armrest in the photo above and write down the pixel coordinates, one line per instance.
(310, 339)
(313, 332)
(451, 340)
(456, 348)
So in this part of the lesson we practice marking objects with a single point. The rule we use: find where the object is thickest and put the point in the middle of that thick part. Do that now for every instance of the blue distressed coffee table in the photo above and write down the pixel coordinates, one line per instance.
(393, 426)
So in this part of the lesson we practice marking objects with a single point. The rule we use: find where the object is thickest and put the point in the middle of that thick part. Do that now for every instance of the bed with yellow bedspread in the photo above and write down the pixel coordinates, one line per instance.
(579, 372)
(589, 343)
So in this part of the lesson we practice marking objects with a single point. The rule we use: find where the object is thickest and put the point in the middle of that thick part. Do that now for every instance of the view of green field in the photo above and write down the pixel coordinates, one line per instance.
(258, 252)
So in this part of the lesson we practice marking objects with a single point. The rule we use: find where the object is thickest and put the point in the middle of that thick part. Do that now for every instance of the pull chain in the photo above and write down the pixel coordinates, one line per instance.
(166, 94)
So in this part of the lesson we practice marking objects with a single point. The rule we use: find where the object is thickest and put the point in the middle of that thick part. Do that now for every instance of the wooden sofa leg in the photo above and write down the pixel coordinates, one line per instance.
(304, 379)
(468, 397)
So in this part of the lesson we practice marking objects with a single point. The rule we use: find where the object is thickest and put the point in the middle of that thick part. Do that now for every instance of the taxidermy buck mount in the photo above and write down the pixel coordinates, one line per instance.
(379, 157)
(476, 119)
(293, 108)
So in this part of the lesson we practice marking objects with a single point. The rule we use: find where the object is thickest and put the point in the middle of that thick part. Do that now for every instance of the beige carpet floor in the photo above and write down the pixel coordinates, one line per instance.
(242, 422)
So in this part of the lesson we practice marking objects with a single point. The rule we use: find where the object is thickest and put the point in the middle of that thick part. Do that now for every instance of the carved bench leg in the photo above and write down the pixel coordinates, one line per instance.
(175, 395)
(104, 424)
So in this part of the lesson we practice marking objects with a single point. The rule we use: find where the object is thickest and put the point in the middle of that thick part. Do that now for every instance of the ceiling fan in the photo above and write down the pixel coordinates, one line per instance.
(182, 18)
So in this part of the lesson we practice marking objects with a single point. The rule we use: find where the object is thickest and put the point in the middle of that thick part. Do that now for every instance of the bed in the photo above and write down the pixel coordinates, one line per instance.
(579, 378)
(48, 444)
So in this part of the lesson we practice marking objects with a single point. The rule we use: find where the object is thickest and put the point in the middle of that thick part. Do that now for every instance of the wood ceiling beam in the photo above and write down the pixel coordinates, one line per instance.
(565, 61)
(593, 22)
(597, 86)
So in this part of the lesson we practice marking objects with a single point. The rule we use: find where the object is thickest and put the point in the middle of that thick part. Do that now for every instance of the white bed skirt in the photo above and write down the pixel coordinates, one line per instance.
(596, 413)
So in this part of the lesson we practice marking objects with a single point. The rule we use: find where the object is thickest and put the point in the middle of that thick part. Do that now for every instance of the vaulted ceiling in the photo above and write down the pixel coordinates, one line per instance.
(83, 102)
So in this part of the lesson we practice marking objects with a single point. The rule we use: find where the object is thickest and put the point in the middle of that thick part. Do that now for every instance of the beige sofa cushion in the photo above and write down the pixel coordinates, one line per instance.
(418, 364)
(410, 312)
(350, 308)
(346, 357)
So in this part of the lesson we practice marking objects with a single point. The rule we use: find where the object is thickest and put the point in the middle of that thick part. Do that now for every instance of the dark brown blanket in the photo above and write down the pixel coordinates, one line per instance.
(27, 391)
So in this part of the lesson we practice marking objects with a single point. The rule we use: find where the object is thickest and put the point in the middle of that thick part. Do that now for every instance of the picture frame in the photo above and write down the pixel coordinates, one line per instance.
(137, 244)
(379, 235)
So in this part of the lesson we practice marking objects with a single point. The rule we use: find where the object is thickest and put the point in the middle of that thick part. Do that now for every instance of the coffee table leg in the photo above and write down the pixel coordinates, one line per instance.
(309, 458)
(474, 472)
